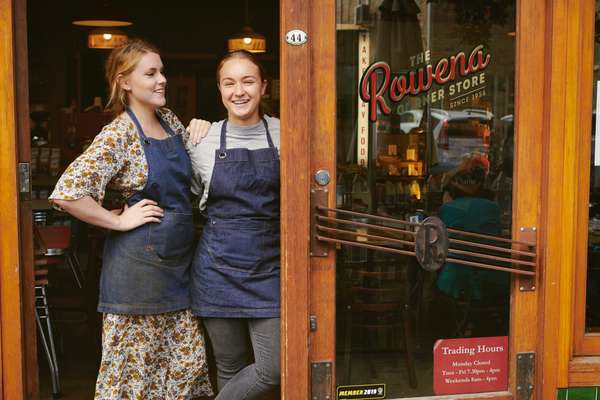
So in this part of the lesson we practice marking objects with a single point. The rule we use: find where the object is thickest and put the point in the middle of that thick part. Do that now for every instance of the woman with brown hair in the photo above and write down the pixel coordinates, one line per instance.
(235, 273)
(152, 347)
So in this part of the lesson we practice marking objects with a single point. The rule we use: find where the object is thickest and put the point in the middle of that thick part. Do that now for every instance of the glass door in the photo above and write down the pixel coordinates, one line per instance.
(417, 137)
(428, 131)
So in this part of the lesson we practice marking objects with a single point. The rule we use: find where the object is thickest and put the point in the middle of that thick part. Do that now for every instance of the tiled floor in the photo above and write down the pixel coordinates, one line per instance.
(579, 394)
(78, 359)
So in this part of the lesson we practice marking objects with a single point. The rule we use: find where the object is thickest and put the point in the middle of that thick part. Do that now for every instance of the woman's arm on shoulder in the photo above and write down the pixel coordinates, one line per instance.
(197, 130)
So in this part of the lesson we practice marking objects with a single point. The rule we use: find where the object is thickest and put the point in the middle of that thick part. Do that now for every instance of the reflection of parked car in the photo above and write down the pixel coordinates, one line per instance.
(462, 133)
(456, 133)
(410, 119)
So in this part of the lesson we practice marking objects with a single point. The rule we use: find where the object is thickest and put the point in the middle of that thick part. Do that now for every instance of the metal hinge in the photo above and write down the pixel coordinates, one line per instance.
(321, 383)
(24, 177)
(312, 321)
(525, 376)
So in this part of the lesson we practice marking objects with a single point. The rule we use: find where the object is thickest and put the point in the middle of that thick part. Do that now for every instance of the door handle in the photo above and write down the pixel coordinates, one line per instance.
(430, 241)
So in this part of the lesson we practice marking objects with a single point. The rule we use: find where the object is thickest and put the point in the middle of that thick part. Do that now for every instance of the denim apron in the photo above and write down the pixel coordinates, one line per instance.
(146, 270)
(235, 272)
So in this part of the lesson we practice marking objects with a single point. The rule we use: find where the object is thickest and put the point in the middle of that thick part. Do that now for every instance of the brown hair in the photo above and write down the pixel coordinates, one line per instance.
(242, 54)
(121, 62)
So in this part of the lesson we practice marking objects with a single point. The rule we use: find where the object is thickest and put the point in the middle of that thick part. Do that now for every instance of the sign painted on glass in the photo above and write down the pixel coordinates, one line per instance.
(363, 111)
(355, 392)
(472, 365)
(597, 137)
(457, 77)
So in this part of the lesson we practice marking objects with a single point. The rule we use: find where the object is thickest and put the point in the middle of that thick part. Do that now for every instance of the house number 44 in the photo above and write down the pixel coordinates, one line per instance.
(296, 37)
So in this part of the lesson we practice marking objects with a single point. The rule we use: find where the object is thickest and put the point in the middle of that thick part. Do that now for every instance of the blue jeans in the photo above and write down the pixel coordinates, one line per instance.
(237, 377)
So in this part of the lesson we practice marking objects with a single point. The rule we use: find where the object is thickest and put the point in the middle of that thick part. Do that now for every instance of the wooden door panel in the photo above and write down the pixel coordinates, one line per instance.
(11, 338)
(25, 212)
(295, 165)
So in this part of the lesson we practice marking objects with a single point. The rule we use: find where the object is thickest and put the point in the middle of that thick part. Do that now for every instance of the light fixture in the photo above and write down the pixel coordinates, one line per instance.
(247, 39)
(106, 38)
(107, 23)
(104, 18)
(99, 14)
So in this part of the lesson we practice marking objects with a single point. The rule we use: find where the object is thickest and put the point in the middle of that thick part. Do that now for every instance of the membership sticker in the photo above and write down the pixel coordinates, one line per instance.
(359, 392)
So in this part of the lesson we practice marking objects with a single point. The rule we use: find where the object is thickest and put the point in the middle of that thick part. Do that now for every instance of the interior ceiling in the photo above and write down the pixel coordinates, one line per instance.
(176, 26)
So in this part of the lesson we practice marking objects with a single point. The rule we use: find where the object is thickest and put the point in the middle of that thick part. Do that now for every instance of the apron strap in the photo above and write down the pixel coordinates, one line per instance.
(223, 137)
(269, 140)
(166, 126)
(137, 124)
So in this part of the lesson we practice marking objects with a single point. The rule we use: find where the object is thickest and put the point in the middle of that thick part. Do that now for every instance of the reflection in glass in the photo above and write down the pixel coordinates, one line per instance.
(439, 141)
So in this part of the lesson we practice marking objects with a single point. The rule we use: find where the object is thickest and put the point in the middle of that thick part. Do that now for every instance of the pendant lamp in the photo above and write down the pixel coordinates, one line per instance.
(247, 39)
(106, 38)
(104, 18)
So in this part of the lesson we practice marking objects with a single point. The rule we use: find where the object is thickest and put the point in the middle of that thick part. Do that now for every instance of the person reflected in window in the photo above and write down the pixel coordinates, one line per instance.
(467, 206)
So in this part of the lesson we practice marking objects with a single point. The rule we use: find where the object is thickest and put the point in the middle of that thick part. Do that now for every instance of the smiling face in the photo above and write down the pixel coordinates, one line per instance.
(242, 88)
(146, 84)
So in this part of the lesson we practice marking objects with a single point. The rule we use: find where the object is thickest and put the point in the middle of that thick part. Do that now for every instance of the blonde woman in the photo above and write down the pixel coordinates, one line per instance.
(152, 347)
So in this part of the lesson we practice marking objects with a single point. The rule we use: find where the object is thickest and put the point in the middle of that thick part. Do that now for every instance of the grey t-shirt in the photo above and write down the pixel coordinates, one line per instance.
(203, 155)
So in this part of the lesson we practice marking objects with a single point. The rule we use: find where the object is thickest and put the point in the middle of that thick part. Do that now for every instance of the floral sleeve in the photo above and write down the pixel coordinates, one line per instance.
(89, 174)
(174, 122)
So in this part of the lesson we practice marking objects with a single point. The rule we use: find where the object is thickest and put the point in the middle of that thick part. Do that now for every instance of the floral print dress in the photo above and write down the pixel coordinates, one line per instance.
(149, 357)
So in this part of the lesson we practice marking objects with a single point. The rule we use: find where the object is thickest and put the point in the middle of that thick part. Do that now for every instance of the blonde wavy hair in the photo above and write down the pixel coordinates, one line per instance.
(120, 63)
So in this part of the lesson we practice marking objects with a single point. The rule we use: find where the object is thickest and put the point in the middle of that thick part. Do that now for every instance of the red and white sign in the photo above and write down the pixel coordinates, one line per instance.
(472, 365)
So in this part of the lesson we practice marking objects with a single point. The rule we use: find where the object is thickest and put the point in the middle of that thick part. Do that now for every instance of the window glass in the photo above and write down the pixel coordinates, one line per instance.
(425, 94)
(593, 254)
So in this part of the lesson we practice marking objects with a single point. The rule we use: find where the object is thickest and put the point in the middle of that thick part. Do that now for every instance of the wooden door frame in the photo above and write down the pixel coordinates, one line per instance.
(548, 143)
(585, 344)
(308, 126)
(21, 54)
(11, 318)
(575, 58)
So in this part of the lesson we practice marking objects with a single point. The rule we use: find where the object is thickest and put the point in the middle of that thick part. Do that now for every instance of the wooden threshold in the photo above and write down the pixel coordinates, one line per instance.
(584, 371)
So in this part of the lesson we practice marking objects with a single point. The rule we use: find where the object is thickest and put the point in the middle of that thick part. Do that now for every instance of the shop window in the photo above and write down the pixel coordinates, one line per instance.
(592, 309)
(442, 149)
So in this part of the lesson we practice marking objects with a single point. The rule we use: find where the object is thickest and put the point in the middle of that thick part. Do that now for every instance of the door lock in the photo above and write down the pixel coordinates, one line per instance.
(322, 177)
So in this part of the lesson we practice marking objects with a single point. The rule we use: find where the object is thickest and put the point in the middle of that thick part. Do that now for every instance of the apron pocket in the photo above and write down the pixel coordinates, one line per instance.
(173, 237)
(240, 249)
